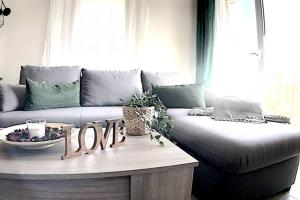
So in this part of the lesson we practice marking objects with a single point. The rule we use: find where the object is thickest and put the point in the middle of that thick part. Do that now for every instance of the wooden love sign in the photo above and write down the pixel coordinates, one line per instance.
(100, 138)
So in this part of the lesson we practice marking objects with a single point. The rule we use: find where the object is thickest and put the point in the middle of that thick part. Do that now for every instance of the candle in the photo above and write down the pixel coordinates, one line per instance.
(36, 127)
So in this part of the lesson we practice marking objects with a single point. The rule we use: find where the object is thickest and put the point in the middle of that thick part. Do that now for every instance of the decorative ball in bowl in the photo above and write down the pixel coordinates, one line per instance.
(21, 136)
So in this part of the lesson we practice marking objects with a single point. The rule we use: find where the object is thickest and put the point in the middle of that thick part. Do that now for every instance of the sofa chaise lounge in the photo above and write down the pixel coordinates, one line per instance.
(236, 160)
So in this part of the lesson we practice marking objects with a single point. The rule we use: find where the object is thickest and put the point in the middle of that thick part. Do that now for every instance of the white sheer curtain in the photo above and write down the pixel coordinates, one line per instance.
(220, 53)
(95, 33)
(59, 29)
(137, 15)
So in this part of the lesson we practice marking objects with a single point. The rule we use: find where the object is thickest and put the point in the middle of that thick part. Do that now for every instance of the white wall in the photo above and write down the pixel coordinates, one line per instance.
(170, 40)
(22, 37)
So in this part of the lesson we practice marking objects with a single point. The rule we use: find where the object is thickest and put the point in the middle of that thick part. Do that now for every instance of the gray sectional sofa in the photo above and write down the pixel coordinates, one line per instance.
(236, 160)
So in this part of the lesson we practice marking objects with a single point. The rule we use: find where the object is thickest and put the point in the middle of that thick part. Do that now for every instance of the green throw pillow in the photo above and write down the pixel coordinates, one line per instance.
(181, 96)
(43, 96)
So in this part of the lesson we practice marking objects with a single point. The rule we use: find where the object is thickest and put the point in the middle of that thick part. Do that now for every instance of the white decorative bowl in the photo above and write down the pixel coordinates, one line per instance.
(30, 145)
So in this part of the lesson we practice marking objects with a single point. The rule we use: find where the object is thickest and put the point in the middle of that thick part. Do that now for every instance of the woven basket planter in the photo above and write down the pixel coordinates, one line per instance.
(138, 124)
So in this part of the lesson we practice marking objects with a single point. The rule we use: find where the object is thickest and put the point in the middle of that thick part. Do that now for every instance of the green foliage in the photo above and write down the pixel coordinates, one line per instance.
(146, 100)
(161, 122)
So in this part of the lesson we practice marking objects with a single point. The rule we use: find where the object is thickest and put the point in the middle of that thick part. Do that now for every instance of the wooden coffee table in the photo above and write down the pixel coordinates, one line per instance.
(139, 170)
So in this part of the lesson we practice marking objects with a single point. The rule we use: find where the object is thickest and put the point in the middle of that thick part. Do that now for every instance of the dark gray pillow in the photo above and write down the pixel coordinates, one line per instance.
(165, 79)
(50, 75)
(12, 97)
(181, 96)
(106, 88)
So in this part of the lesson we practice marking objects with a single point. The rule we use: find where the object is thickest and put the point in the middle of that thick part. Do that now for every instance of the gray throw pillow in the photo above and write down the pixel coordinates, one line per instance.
(165, 79)
(181, 96)
(106, 88)
(50, 75)
(236, 109)
(12, 97)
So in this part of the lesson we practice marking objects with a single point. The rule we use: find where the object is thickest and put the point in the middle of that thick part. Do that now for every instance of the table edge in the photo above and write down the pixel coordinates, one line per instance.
(96, 175)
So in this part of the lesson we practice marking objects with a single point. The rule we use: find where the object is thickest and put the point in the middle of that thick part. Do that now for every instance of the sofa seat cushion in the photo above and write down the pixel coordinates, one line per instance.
(235, 147)
(78, 116)
(63, 115)
(90, 114)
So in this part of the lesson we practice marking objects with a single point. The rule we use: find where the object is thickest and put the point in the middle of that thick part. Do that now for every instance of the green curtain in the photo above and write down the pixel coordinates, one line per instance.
(205, 40)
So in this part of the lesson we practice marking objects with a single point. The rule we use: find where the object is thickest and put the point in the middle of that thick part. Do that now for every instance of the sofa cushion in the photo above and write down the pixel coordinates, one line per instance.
(43, 96)
(106, 88)
(90, 114)
(12, 97)
(63, 115)
(235, 147)
(164, 79)
(173, 78)
(50, 75)
(181, 96)
(78, 116)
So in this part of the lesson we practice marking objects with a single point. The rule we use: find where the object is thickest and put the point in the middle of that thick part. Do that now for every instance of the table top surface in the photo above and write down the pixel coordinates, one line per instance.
(138, 155)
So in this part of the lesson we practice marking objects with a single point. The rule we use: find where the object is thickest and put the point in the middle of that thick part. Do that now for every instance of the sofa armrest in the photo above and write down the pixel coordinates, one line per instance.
(12, 97)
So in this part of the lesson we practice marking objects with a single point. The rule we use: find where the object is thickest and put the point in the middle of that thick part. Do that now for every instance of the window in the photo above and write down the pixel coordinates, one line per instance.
(257, 54)
(236, 57)
(281, 58)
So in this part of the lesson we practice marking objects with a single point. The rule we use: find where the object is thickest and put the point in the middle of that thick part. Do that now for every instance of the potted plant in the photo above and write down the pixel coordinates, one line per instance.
(146, 113)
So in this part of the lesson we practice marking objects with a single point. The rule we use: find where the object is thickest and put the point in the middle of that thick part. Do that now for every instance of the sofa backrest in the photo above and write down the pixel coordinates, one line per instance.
(50, 75)
(98, 88)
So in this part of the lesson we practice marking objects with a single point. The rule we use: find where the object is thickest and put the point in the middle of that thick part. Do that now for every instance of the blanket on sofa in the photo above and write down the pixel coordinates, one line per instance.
(238, 110)
(199, 111)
